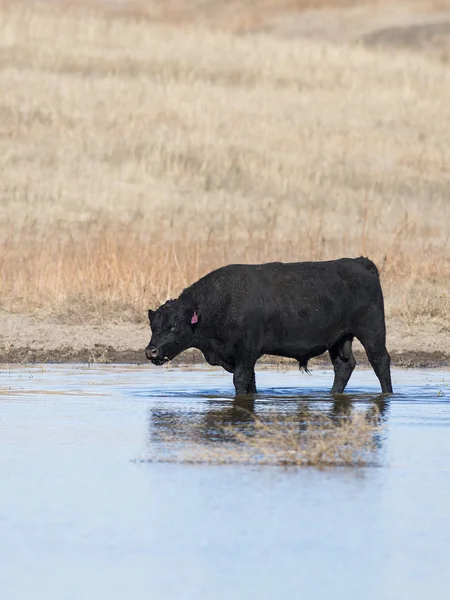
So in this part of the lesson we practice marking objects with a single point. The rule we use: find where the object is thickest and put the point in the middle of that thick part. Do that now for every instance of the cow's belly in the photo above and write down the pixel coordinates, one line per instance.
(310, 342)
(296, 351)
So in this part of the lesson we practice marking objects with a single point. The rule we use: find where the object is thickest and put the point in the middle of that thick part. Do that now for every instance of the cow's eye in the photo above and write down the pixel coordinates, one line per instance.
(172, 328)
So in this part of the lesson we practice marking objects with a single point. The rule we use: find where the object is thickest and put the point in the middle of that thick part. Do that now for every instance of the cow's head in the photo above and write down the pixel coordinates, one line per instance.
(173, 326)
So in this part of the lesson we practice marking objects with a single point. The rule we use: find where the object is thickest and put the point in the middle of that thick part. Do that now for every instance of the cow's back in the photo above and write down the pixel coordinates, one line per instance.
(291, 299)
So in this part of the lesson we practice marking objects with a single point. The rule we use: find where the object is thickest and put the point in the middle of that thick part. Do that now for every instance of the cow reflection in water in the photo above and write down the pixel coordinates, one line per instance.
(217, 422)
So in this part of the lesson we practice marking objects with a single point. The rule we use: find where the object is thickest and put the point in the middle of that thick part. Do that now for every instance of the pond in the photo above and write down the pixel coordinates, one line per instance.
(85, 514)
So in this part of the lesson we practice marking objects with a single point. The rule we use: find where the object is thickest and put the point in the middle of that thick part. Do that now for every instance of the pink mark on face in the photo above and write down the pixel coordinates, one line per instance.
(194, 318)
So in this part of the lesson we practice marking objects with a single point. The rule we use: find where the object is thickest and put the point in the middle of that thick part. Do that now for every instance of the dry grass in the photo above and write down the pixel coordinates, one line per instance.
(136, 157)
(276, 439)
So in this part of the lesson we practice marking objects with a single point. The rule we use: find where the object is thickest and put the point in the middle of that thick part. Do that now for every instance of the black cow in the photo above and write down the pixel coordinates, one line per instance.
(237, 313)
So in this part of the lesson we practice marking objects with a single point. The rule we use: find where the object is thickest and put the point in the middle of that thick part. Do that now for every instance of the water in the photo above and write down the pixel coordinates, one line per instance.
(80, 517)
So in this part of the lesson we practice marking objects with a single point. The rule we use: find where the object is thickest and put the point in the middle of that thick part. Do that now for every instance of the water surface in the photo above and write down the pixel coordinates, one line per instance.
(82, 517)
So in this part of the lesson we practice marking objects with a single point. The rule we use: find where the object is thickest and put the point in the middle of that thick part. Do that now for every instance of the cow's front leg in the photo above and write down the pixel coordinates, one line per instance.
(252, 386)
(244, 379)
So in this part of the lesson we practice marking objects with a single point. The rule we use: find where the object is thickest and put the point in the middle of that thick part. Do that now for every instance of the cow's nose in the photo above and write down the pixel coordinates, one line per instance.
(151, 353)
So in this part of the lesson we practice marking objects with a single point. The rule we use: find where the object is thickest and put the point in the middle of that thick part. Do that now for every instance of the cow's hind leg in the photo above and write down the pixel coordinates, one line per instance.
(343, 363)
(379, 358)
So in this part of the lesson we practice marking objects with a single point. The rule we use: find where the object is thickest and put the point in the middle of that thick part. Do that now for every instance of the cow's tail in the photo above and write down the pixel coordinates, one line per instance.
(369, 265)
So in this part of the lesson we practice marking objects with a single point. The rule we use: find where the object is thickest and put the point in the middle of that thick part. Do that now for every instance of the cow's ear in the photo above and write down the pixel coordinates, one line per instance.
(150, 314)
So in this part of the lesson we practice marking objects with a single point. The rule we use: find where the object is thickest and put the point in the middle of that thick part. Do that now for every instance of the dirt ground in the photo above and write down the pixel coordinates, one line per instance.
(25, 339)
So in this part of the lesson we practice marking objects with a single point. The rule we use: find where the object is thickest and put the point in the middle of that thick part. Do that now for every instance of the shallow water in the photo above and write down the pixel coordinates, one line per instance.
(80, 517)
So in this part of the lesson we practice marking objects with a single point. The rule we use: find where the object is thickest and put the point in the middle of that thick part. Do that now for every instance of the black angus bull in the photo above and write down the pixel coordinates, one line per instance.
(237, 313)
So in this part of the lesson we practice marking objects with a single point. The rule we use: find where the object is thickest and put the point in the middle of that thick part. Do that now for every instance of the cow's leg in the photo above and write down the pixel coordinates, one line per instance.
(247, 353)
(379, 358)
(343, 366)
(381, 362)
(244, 378)
(252, 387)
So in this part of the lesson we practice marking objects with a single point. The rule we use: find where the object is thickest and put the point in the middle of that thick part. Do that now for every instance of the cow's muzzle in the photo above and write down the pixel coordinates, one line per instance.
(155, 356)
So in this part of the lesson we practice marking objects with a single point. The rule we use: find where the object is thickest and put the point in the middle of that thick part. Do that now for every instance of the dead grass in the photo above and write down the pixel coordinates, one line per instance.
(275, 439)
(136, 157)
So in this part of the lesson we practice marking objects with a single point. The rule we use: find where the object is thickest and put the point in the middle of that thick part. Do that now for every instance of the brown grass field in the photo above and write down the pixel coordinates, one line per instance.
(141, 149)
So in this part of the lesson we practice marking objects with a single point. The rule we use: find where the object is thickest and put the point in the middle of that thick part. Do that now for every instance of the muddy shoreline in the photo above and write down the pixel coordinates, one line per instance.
(102, 354)
(28, 339)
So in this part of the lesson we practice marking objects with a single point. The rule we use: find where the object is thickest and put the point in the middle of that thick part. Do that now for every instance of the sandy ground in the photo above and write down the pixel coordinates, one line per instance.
(25, 339)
